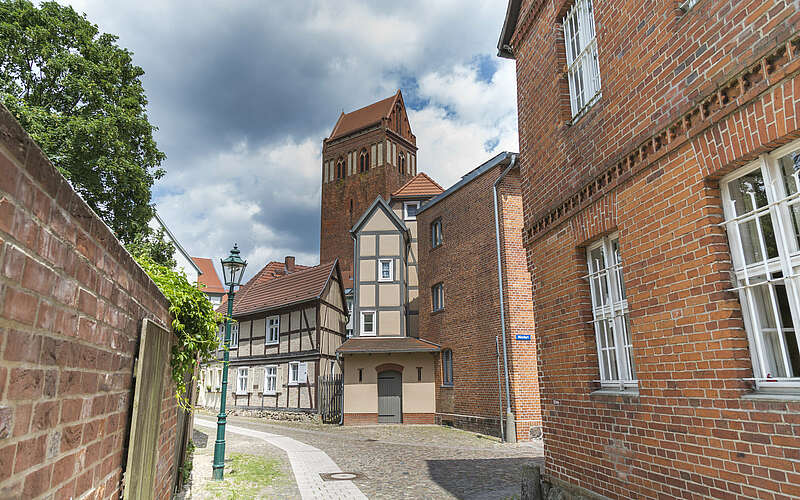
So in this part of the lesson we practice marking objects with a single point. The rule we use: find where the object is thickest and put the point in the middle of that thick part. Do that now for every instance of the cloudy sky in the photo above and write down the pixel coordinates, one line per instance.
(244, 92)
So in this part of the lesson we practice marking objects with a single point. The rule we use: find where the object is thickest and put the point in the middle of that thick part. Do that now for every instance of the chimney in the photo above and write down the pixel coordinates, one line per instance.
(288, 264)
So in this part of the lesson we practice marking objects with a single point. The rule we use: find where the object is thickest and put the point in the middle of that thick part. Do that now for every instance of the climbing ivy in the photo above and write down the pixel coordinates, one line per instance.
(194, 323)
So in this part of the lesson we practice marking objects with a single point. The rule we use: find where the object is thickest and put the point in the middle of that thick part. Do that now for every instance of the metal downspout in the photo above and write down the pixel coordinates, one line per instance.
(511, 435)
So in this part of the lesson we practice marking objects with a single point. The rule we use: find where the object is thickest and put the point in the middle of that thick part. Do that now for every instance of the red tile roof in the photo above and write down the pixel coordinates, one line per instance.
(356, 345)
(272, 270)
(418, 186)
(209, 278)
(292, 288)
(360, 118)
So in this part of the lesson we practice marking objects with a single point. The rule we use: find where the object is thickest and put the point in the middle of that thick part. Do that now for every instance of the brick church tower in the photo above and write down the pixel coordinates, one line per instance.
(371, 151)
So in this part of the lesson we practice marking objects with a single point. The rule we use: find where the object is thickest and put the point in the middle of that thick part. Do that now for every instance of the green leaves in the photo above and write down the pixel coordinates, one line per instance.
(194, 323)
(80, 97)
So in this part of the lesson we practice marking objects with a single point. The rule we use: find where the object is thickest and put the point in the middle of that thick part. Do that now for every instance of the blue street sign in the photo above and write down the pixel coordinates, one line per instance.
(523, 337)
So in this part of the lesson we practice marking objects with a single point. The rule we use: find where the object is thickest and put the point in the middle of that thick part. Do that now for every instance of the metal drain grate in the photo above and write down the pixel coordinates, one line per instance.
(341, 476)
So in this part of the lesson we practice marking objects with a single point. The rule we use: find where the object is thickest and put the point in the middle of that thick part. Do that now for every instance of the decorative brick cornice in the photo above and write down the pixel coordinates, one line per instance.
(778, 63)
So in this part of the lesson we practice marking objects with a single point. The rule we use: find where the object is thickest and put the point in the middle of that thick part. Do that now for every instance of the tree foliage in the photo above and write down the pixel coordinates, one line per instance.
(154, 245)
(194, 323)
(80, 97)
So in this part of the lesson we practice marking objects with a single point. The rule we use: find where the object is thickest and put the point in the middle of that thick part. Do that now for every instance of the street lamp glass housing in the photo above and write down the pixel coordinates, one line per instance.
(233, 268)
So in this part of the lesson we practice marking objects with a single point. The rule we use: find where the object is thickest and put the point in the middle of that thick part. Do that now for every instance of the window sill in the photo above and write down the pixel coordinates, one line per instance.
(768, 395)
(437, 311)
(241, 393)
(270, 394)
(447, 386)
(271, 343)
(632, 392)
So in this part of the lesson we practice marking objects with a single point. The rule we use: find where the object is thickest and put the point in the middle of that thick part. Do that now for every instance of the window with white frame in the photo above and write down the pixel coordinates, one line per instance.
(273, 329)
(368, 323)
(234, 334)
(349, 326)
(241, 380)
(436, 233)
(761, 203)
(385, 269)
(270, 379)
(610, 313)
(298, 373)
(221, 337)
(437, 297)
(218, 379)
(583, 69)
(410, 209)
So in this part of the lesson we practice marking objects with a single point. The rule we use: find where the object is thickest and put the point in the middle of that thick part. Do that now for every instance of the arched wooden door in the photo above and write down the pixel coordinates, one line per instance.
(390, 397)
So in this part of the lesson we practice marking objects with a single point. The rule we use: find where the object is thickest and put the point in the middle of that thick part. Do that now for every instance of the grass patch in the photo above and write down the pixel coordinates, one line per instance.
(245, 477)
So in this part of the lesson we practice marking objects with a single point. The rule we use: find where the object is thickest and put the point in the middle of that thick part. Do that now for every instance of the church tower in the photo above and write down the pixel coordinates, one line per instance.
(371, 151)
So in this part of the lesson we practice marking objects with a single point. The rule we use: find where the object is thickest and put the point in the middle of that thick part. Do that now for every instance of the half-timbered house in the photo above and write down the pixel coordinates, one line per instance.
(286, 334)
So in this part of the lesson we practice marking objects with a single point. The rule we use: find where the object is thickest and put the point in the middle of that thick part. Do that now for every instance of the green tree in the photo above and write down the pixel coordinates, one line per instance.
(80, 97)
(155, 246)
(194, 324)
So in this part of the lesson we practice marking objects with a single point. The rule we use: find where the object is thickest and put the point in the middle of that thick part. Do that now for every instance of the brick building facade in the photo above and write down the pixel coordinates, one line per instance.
(72, 301)
(371, 151)
(658, 159)
(464, 261)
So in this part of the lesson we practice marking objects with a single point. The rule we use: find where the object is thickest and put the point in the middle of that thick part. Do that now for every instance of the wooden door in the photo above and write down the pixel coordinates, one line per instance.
(151, 367)
(390, 397)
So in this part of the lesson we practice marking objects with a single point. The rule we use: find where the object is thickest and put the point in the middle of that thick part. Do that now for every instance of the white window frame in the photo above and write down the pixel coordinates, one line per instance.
(362, 331)
(221, 335)
(437, 233)
(218, 379)
(437, 291)
(406, 204)
(391, 270)
(611, 323)
(770, 273)
(234, 343)
(583, 69)
(688, 4)
(270, 328)
(349, 327)
(302, 373)
(267, 377)
(242, 374)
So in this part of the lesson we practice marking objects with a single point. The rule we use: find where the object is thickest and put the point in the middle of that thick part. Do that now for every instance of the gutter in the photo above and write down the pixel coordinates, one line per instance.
(511, 435)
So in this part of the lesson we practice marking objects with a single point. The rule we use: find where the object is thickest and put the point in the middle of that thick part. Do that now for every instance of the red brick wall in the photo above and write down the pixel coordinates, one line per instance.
(71, 306)
(466, 263)
(685, 99)
(336, 218)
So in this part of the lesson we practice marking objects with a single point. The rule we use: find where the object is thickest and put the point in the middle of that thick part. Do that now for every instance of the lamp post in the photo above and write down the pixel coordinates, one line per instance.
(232, 271)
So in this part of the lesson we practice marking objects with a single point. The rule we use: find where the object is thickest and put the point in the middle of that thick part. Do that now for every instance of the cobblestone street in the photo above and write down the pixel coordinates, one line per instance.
(393, 461)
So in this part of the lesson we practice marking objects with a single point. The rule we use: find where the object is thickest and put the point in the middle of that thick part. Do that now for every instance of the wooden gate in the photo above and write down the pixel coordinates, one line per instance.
(390, 397)
(330, 390)
(151, 365)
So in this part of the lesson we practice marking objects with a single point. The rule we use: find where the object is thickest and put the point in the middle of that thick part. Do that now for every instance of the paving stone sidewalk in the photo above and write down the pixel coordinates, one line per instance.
(398, 461)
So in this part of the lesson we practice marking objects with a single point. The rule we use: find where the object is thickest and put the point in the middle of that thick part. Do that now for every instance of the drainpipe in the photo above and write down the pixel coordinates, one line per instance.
(511, 431)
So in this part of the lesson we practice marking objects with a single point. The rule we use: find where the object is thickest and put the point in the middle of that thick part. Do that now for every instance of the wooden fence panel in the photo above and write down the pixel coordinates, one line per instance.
(330, 390)
(153, 360)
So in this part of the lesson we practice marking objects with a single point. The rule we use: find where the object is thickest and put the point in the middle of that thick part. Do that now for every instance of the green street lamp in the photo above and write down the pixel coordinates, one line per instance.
(232, 271)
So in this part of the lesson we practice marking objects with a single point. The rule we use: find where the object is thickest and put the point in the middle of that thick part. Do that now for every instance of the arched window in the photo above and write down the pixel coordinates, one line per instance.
(447, 367)
(401, 162)
(397, 113)
(340, 170)
(363, 161)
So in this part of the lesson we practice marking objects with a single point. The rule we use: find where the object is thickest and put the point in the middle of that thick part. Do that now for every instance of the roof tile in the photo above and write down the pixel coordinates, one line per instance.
(292, 288)
(209, 278)
(418, 186)
(360, 118)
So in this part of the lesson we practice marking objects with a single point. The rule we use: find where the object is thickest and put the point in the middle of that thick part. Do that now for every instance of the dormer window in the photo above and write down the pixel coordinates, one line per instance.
(410, 209)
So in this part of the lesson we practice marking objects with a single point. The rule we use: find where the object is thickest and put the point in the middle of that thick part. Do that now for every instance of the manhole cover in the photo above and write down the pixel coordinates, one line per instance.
(341, 476)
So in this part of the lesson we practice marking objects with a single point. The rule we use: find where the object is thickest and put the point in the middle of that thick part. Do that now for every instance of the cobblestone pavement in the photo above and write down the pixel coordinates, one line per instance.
(398, 461)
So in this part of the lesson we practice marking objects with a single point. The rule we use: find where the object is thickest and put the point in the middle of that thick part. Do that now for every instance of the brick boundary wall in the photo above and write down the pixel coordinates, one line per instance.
(360, 418)
(72, 301)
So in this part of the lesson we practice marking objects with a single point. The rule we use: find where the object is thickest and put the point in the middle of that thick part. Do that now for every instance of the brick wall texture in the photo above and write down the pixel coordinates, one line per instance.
(71, 306)
(466, 265)
(686, 98)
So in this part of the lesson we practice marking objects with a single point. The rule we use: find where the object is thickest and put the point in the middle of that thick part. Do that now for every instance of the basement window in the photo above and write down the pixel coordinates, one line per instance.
(761, 203)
